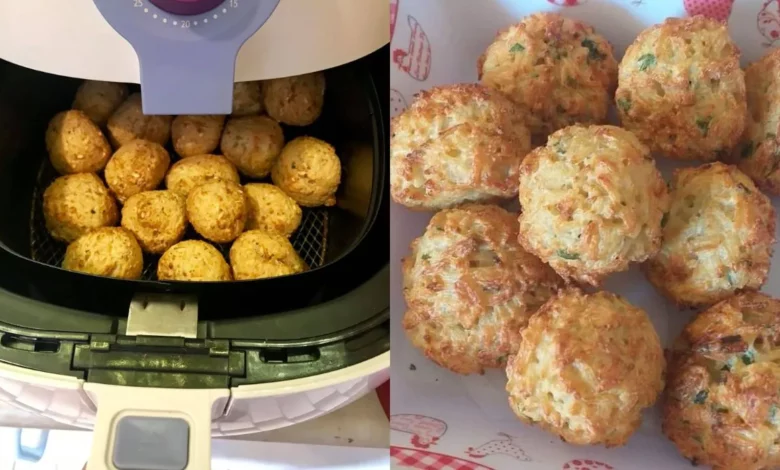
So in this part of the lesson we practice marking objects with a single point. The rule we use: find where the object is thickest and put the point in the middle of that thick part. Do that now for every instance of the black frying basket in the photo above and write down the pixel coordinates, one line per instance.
(342, 245)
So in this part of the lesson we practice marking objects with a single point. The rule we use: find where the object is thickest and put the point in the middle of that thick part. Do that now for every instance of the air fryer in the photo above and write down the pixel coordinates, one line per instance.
(330, 317)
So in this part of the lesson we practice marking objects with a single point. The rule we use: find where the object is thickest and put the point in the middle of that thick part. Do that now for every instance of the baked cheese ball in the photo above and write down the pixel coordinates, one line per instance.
(106, 251)
(758, 154)
(217, 211)
(99, 100)
(129, 123)
(456, 144)
(309, 171)
(253, 144)
(592, 202)
(138, 166)
(247, 98)
(158, 219)
(470, 288)
(258, 255)
(271, 210)
(196, 135)
(557, 69)
(76, 144)
(76, 204)
(193, 261)
(587, 366)
(295, 101)
(188, 173)
(721, 406)
(681, 89)
(717, 237)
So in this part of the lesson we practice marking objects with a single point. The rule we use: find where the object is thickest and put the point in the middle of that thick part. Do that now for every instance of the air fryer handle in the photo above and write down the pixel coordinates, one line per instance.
(152, 427)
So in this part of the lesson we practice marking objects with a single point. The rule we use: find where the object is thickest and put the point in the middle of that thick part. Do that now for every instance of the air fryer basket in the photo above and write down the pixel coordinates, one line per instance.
(343, 245)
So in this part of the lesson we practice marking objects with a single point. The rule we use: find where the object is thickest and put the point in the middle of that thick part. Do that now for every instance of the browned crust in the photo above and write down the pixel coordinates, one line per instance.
(470, 288)
(672, 272)
(720, 407)
(689, 101)
(491, 148)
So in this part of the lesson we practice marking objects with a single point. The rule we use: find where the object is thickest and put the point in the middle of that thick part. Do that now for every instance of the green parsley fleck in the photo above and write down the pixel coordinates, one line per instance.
(747, 150)
(593, 51)
(732, 278)
(749, 357)
(566, 255)
(624, 104)
(664, 219)
(517, 47)
(704, 125)
(701, 397)
(426, 257)
(773, 414)
(646, 61)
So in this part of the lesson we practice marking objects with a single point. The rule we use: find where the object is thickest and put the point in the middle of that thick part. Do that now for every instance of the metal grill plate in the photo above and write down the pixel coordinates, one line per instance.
(310, 240)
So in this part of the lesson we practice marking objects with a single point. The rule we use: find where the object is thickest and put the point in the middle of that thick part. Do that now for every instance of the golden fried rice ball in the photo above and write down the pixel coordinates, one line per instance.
(193, 260)
(295, 101)
(217, 210)
(587, 366)
(592, 202)
(156, 218)
(247, 98)
(470, 288)
(759, 152)
(257, 254)
(717, 237)
(308, 171)
(196, 135)
(253, 144)
(138, 166)
(99, 99)
(557, 69)
(721, 406)
(75, 144)
(76, 204)
(456, 144)
(106, 251)
(190, 172)
(129, 123)
(681, 90)
(271, 210)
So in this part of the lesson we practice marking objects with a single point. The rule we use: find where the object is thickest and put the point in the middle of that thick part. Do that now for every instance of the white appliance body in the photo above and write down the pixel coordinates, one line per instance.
(71, 38)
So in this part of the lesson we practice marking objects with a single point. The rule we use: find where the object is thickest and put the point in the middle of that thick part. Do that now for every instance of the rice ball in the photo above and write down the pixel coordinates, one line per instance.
(681, 89)
(470, 288)
(75, 144)
(717, 238)
(720, 407)
(456, 144)
(588, 365)
(106, 251)
(309, 171)
(592, 202)
(76, 204)
(557, 69)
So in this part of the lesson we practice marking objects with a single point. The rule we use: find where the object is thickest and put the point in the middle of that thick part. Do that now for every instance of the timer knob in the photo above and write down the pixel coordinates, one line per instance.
(186, 7)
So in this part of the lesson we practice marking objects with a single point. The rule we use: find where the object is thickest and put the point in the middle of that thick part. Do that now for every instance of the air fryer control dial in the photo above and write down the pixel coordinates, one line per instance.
(186, 48)
(186, 7)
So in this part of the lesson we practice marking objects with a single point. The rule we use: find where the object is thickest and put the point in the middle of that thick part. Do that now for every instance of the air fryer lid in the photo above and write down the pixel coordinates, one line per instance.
(184, 51)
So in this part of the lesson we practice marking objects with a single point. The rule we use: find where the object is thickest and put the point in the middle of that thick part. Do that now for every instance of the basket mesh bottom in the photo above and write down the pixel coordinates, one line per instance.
(310, 240)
